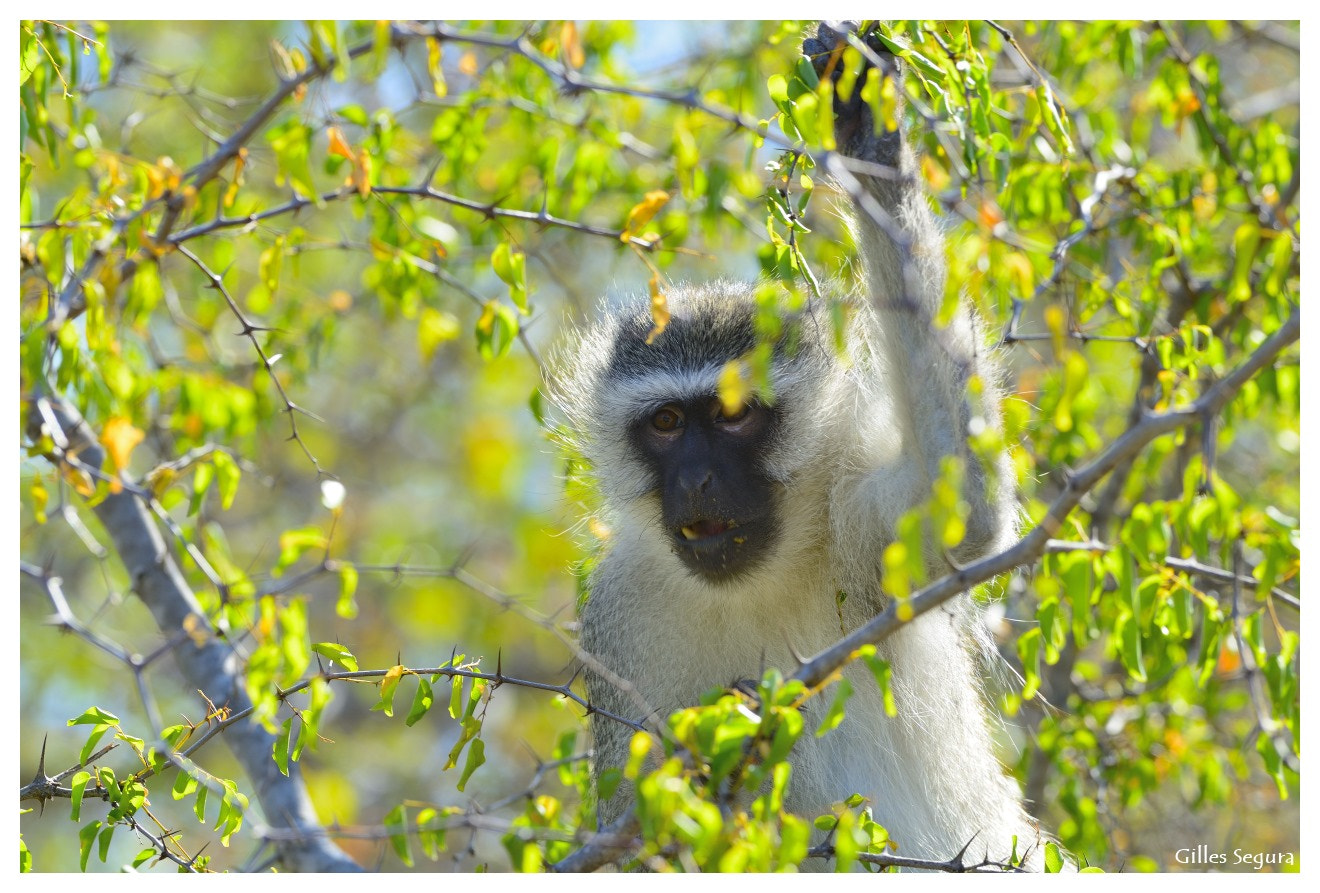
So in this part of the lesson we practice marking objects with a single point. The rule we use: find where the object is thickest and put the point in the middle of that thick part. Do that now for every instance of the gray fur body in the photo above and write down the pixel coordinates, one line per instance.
(860, 442)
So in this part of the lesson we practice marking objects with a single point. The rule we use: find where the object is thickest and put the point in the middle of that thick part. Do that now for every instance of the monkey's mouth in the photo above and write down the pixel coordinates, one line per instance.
(705, 529)
(721, 550)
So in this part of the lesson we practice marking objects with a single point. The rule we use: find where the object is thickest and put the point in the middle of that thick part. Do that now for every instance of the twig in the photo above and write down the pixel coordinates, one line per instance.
(816, 670)
(208, 665)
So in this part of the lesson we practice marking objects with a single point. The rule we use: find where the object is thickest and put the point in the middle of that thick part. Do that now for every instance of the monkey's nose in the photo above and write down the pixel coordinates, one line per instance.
(697, 481)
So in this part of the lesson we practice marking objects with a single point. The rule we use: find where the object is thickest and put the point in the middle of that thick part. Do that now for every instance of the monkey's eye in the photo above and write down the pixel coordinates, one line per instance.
(738, 416)
(668, 418)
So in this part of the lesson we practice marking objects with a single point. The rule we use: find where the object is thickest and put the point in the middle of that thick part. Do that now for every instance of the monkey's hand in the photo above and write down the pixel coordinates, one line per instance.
(854, 128)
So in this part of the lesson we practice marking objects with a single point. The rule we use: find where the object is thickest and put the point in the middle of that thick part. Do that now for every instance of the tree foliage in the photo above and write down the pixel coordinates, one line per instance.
(288, 483)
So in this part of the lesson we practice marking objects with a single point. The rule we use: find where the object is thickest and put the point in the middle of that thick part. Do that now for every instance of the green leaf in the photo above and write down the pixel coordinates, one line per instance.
(86, 836)
(608, 783)
(511, 266)
(103, 842)
(1028, 648)
(95, 716)
(29, 58)
(834, 715)
(1129, 635)
(422, 701)
(1053, 859)
(1246, 240)
(291, 142)
(883, 674)
(345, 605)
(78, 785)
(336, 652)
(282, 746)
(227, 475)
(184, 784)
(497, 327)
(395, 824)
(476, 756)
(293, 543)
(388, 686)
(455, 695)
(92, 740)
(434, 328)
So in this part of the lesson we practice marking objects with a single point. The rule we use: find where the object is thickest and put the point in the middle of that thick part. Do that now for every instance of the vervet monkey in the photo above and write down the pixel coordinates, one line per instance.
(732, 534)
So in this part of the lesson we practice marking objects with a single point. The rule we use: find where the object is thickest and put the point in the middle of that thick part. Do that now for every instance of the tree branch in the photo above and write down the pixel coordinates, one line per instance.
(816, 670)
(209, 664)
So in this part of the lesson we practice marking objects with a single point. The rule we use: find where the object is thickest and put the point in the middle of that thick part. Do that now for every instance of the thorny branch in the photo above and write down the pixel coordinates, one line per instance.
(207, 661)
(819, 668)
(606, 846)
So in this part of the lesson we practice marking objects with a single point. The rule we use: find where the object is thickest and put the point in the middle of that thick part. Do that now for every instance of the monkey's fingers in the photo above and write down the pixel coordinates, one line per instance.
(854, 129)
(825, 49)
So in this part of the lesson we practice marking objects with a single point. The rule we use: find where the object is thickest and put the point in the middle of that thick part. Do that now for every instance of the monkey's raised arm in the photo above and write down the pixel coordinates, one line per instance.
(928, 365)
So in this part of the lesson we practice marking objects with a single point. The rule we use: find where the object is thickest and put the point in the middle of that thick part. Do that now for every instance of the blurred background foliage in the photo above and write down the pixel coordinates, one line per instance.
(405, 233)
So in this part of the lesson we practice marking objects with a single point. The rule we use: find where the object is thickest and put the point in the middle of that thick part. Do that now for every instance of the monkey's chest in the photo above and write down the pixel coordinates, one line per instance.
(720, 643)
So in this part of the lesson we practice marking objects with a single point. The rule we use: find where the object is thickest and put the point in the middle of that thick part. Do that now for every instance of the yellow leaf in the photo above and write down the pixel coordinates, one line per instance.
(641, 214)
(40, 496)
(732, 387)
(239, 161)
(433, 64)
(80, 480)
(659, 308)
(889, 104)
(196, 629)
(435, 327)
(160, 480)
(989, 214)
(120, 438)
(172, 173)
(1020, 269)
(338, 145)
(937, 178)
(1055, 320)
(568, 39)
(361, 178)
(283, 61)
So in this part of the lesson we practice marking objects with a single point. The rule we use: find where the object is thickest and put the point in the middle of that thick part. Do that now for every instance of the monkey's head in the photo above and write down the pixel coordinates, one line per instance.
(710, 483)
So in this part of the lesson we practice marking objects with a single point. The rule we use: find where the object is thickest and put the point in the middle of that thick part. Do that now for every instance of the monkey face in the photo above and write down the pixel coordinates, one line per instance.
(718, 505)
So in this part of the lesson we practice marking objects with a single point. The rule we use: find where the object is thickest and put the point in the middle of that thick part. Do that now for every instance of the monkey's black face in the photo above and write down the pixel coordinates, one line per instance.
(718, 505)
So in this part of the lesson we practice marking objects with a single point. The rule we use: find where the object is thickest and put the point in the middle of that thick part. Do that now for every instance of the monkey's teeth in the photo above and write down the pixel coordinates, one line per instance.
(689, 534)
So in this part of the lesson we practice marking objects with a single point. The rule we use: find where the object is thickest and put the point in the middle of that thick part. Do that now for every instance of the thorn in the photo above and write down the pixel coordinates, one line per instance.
(294, 407)
(958, 859)
(465, 555)
(430, 174)
(797, 655)
(41, 763)
(948, 559)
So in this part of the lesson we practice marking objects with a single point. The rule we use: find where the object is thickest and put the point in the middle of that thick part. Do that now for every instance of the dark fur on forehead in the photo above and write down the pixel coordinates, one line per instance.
(707, 327)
